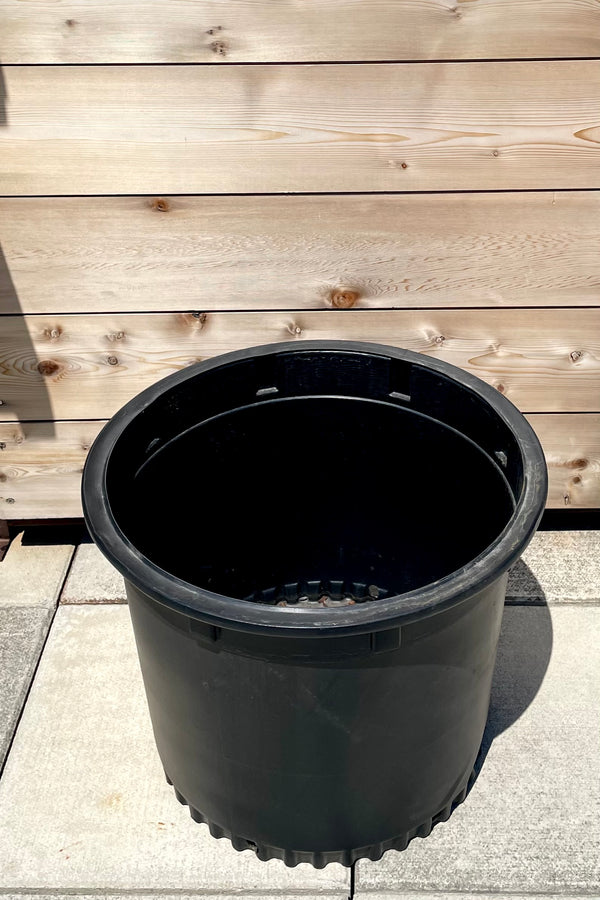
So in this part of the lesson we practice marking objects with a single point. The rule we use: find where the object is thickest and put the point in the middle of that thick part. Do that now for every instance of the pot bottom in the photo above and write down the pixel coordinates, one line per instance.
(319, 593)
(320, 859)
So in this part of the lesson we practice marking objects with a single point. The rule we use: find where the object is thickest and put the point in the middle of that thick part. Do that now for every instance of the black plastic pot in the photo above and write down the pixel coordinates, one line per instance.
(315, 538)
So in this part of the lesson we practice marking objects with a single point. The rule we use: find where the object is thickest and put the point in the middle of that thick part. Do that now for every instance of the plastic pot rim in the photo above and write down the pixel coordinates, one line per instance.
(242, 615)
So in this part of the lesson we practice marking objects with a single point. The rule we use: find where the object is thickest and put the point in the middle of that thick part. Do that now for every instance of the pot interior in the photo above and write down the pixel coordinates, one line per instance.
(316, 500)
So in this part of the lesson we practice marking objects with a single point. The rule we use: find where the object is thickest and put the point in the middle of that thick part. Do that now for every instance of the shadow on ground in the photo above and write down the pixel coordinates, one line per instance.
(524, 651)
(522, 660)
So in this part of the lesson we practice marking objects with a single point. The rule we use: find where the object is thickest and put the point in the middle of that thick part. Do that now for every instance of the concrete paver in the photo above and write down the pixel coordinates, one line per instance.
(33, 575)
(165, 895)
(392, 895)
(85, 806)
(531, 823)
(85, 810)
(560, 566)
(92, 579)
(30, 581)
(22, 635)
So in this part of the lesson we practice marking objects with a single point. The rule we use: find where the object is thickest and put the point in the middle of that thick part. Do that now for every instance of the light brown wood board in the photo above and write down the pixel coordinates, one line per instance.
(40, 472)
(101, 254)
(121, 31)
(294, 128)
(88, 366)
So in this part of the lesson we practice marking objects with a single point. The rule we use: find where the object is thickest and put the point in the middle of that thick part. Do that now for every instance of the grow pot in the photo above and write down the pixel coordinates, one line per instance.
(315, 538)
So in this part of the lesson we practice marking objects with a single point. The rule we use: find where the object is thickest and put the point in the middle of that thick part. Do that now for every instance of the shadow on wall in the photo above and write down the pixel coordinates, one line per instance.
(23, 389)
(2, 98)
(524, 651)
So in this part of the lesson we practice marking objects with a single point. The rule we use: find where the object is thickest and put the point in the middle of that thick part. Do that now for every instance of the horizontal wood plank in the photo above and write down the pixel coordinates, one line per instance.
(120, 31)
(40, 468)
(280, 128)
(76, 254)
(40, 472)
(88, 366)
(572, 447)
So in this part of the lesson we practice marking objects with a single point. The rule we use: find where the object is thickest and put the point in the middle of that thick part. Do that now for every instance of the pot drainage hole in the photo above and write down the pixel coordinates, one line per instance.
(319, 594)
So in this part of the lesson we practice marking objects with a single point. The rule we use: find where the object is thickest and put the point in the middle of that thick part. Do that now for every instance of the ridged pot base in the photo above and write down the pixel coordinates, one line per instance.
(321, 859)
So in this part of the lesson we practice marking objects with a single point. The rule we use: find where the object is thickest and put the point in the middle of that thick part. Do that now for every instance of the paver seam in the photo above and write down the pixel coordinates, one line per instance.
(39, 653)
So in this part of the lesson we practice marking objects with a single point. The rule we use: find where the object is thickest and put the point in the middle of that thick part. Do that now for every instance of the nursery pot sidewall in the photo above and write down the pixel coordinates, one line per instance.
(319, 733)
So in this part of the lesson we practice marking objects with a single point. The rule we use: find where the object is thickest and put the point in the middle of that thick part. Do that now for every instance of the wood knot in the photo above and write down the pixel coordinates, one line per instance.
(439, 339)
(48, 367)
(70, 23)
(501, 388)
(53, 334)
(219, 47)
(404, 165)
(343, 298)
(294, 330)
(116, 336)
(575, 355)
(10, 500)
(160, 204)
(576, 479)
(112, 360)
(581, 463)
(195, 320)
(2, 445)
(495, 153)
(215, 29)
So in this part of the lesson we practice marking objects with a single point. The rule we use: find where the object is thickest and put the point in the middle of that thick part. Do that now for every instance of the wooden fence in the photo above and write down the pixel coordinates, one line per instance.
(186, 177)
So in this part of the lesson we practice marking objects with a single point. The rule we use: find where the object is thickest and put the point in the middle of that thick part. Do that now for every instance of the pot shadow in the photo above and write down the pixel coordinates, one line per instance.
(524, 651)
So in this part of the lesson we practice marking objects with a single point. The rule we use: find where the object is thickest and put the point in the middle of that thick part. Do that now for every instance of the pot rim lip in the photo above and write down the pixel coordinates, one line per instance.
(242, 615)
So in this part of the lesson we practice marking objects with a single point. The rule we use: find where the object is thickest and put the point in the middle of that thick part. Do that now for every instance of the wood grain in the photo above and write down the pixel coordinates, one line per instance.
(40, 472)
(102, 254)
(41, 475)
(280, 128)
(572, 447)
(119, 31)
(88, 366)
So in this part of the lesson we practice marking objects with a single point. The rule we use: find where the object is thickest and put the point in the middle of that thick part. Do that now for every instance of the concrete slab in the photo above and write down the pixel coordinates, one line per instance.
(279, 896)
(560, 566)
(92, 579)
(22, 635)
(33, 576)
(462, 896)
(162, 895)
(85, 806)
(531, 823)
